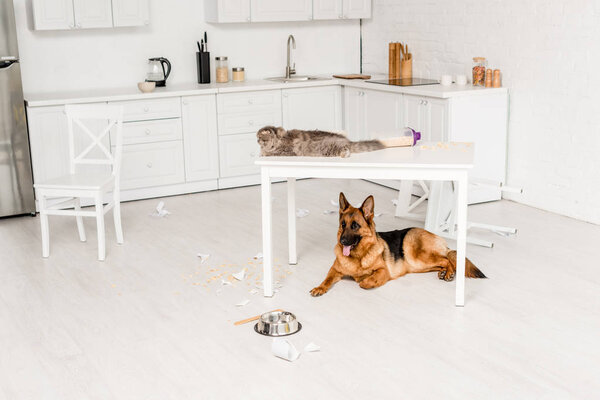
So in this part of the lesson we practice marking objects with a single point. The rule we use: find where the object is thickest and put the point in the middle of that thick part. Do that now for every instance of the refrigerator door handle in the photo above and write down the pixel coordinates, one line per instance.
(7, 63)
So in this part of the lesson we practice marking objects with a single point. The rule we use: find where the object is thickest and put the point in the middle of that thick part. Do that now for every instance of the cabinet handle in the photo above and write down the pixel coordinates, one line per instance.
(185, 102)
(424, 102)
(285, 95)
(250, 101)
(146, 109)
(250, 123)
(147, 131)
(149, 165)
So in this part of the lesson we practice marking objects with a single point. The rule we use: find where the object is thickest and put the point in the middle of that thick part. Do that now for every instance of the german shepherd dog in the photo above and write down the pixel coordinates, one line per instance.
(372, 258)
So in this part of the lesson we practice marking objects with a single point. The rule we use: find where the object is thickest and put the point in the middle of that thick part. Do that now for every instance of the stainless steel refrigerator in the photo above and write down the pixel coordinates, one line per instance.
(16, 183)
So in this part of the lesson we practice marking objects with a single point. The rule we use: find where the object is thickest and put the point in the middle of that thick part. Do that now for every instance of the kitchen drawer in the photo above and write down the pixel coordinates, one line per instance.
(246, 102)
(237, 154)
(247, 122)
(149, 131)
(141, 110)
(152, 164)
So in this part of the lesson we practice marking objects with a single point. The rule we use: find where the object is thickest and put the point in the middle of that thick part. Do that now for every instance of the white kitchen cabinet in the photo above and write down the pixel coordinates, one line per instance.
(223, 11)
(199, 115)
(82, 14)
(354, 9)
(130, 13)
(281, 10)
(49, 143)
(92, 13)
(312, 108)
(53, 14)
(237, 154)
(372, 114)
(428, 116)
(328, 9)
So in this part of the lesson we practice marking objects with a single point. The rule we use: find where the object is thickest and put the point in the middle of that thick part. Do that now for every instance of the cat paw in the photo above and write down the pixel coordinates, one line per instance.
(345, 153)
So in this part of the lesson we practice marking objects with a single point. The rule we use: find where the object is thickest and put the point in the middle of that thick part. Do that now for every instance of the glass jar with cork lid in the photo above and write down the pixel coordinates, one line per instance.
(479, 65)
(222, 67)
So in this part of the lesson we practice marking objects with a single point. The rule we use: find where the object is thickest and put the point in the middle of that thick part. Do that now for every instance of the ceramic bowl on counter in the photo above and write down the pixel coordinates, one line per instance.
(146, 87)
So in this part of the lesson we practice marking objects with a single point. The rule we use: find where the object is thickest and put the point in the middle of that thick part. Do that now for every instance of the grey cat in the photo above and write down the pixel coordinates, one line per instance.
(276, 141)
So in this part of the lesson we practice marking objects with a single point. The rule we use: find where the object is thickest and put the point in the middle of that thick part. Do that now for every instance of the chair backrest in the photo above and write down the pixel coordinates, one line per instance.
(110, 118)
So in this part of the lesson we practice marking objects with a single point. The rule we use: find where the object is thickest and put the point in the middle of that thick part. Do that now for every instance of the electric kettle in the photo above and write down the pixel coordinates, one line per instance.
(157, 72)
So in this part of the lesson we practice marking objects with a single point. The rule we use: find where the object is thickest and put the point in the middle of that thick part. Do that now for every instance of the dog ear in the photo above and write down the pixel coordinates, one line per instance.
(344, 204)
(367, 208)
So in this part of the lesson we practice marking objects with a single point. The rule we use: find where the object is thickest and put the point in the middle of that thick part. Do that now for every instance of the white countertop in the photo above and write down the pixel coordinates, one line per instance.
(191, 89)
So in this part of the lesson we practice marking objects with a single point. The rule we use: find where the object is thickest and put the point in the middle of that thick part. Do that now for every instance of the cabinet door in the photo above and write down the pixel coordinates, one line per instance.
(93, 13)
(280, 10)
(237, 154)
(49, 142)
(437, 114)
(354, 111)
(413, 113)
(227, 10)
(130, 12)
(383, 114)
(53, 14)
(312, 108)
(357, 9)
(327, 9)
(199, 119)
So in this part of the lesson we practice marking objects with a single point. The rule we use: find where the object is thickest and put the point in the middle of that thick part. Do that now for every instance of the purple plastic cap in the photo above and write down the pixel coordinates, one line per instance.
(416, 136)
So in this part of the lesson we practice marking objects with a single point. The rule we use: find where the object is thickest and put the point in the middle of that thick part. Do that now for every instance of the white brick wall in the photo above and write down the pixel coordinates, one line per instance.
(549, 54)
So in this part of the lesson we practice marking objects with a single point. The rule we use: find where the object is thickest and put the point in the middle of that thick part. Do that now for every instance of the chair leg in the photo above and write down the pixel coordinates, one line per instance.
(117, 219)
(45, 229)
(79, 218)
(100, 226)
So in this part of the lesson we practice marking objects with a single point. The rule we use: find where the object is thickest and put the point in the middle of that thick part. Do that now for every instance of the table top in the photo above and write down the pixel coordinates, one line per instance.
(439, 155)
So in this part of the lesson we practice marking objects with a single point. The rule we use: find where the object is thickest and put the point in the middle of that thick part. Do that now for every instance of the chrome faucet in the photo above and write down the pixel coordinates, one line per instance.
(289, 70)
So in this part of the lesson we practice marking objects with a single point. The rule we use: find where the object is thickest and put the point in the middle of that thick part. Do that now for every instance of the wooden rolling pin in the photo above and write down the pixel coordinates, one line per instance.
(256, 317)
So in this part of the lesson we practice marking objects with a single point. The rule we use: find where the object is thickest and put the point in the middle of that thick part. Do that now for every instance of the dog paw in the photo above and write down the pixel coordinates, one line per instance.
(442, 274)
(367, 284)
(446, 275)
(318, 291)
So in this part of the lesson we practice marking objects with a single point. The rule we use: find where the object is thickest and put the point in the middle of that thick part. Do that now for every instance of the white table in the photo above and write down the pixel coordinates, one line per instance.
(427, 161)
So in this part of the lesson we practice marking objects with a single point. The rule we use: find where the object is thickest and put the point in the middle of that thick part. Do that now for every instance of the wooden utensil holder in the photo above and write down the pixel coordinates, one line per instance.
(406, 68)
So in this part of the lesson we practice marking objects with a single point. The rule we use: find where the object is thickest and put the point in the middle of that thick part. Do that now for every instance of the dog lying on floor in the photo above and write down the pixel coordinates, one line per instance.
(372, 258)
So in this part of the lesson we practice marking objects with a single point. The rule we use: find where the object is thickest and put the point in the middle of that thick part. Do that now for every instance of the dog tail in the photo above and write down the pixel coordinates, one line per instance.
(366, 145)
(471, 271)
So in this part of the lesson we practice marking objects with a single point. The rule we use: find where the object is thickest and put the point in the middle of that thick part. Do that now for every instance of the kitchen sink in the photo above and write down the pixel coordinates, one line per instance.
(296, 78)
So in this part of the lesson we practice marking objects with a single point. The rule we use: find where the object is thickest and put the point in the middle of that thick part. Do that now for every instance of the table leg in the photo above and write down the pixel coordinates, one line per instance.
(291, 193)
(404, 197)
(461, 238)
(267, 236)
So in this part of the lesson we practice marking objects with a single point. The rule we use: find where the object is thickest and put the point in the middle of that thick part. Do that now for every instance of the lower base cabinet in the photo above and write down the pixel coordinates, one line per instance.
(237, 154)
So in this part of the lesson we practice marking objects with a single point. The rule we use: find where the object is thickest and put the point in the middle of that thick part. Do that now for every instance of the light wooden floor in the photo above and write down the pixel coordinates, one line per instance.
(142, 325)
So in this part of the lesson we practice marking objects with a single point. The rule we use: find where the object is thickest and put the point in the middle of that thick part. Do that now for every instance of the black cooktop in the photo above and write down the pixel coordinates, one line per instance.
(405, 81)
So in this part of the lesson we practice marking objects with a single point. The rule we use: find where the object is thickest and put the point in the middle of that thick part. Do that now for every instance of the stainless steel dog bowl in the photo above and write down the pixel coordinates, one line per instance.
(277, 323)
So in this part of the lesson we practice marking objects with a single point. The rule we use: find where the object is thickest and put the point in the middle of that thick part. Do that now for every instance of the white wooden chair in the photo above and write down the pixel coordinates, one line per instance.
(85, 184)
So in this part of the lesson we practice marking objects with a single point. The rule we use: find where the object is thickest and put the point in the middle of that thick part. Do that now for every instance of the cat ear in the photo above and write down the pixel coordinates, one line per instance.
(280, 132)
(264, 133)
(367, 208)
(344, 204)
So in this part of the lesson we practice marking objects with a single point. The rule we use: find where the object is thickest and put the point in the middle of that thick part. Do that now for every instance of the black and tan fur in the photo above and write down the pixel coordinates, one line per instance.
(372, 258)
(276, 141)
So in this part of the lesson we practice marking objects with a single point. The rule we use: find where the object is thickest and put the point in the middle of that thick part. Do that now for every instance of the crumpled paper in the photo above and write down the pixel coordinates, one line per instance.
(160, 211)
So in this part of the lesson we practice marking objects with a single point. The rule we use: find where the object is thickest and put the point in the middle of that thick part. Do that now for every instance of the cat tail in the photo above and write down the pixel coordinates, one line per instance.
(366, 145)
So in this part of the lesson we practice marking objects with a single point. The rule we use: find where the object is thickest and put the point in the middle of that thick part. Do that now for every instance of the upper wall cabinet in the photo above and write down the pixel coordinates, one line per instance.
(130, 12)
(280, 10)
(227, 10)
(341, 9)
(221, 11)
(82, 14)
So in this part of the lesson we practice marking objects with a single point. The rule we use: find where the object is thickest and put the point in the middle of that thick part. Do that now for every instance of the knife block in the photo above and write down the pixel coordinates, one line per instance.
(203, 66)
(406, 68)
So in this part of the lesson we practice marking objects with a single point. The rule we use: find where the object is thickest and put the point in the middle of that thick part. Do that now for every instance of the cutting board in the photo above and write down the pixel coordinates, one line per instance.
(352, 76)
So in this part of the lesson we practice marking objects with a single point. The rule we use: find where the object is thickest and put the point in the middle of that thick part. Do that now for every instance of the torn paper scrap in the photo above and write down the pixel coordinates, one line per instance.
(334, 203)
(161, 211)
(302, 212)
(240, 275)
(225, 283)
(203, 257)
(326, 212)
(258, 256)
(243, 303)
(282, 348)
(311, 347)
(378, 215)
(253, 291)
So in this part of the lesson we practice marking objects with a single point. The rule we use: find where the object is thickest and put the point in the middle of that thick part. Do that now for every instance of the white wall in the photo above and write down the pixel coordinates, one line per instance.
(549, 54)
(106, 58)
